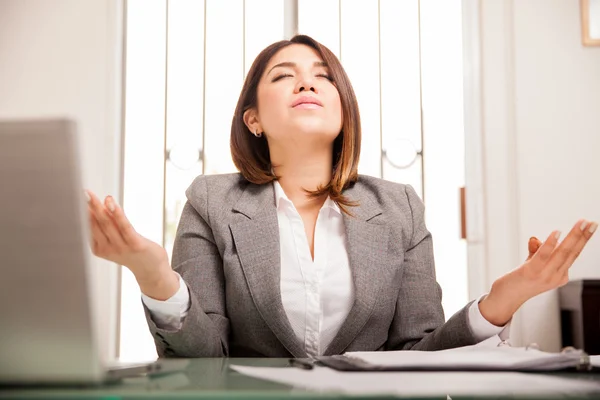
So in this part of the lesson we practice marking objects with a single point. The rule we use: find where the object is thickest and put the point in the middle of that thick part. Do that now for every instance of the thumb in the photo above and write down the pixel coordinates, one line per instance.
(533, 246)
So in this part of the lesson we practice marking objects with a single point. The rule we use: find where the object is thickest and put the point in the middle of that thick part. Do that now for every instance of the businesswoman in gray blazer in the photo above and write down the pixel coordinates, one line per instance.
(298, 255)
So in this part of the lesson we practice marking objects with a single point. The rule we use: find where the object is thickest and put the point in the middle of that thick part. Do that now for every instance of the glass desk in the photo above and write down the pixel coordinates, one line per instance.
(211, 378)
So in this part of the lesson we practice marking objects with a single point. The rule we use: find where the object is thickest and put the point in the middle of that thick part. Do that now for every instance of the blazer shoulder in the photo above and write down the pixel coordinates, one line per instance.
(220, 191)
(388, 193)
(400, 205)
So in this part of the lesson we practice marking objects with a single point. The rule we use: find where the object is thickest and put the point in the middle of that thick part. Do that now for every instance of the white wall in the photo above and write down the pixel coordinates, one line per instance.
(63, 58)
(540, 99)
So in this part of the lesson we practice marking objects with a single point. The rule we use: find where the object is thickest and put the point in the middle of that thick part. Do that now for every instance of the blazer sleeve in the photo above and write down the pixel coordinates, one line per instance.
(419, 322)
(204, 331)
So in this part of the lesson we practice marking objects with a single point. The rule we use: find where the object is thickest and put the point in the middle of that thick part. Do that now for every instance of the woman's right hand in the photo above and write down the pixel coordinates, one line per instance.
(115, 239)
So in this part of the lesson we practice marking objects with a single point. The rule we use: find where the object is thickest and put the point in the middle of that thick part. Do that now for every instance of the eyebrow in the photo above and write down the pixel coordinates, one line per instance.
(293, 65)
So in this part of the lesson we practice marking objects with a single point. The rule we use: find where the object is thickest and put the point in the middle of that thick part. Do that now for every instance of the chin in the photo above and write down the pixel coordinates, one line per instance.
(315, 128)
(320, 134)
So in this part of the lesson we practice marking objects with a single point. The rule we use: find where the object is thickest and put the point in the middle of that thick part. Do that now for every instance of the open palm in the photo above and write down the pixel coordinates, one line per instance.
(115, 239)
(548, 264)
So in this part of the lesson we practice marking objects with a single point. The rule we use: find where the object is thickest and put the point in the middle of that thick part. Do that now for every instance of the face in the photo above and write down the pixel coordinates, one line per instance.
(297, 101)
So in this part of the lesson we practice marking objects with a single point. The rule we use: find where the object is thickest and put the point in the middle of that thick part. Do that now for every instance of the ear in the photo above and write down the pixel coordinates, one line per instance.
(251, 120)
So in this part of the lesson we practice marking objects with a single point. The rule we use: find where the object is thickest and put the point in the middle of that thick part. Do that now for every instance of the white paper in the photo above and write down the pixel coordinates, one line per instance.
(322, 379)
(595, 360)
(471, 357)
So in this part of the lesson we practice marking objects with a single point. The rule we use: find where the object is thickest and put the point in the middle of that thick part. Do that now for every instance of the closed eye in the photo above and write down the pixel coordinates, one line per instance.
(279, 77)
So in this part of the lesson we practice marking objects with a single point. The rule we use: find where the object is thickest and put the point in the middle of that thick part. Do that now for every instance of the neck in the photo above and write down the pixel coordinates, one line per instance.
(303, 170)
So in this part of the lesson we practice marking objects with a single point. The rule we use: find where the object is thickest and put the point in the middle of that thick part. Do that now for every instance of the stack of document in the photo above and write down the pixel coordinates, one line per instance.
(427, 384)
(471, 358)
(411, 373)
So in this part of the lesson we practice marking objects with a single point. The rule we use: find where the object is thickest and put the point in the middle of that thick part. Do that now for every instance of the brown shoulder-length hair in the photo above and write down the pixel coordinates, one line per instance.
(251, 154)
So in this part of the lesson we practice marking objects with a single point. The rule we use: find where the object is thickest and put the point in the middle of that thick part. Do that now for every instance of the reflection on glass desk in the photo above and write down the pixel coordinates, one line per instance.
(211, 378)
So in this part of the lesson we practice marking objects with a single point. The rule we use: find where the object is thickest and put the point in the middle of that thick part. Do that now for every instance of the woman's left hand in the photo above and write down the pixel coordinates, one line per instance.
(546, 268)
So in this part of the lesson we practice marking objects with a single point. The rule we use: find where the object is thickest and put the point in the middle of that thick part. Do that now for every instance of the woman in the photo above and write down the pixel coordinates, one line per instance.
(298, 255)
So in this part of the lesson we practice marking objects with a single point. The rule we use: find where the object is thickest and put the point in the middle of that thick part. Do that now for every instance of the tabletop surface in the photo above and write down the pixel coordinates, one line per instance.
(212, 378)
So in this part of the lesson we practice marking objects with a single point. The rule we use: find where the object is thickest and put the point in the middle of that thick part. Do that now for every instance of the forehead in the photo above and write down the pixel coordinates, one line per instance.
(296, 53)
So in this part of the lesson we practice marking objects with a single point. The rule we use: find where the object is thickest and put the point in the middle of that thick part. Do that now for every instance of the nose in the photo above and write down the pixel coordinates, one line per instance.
(305, 83)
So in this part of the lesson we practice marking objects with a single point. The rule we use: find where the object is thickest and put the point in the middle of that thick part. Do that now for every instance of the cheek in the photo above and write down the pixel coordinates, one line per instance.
(270, 108)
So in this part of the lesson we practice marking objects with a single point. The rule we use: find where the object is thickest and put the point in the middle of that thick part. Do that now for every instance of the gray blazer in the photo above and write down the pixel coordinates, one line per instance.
(227, 251)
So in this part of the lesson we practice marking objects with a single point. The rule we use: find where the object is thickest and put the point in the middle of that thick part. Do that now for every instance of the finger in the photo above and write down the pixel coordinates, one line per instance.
(128, 234)
(533, 246)
(587, 233)
(105, 222)
(94, 202)
(541, 258)
(565, 249)
(98, 239)
(98, 236)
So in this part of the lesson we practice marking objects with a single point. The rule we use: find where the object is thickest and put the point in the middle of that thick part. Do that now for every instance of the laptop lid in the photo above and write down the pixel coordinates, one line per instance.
(46, 309)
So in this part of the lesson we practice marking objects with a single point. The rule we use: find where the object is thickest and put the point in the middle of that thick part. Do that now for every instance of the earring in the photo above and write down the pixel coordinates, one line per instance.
(257, 133)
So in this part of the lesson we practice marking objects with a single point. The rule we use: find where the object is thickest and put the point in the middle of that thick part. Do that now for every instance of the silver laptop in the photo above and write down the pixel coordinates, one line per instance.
(46, 311)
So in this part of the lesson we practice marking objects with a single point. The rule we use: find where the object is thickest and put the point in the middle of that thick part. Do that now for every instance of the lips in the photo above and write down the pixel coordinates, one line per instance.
(306, 100)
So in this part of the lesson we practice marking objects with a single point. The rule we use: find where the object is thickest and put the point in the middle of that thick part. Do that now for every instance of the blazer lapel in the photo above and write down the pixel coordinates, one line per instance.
(256, 237)
(367, 245)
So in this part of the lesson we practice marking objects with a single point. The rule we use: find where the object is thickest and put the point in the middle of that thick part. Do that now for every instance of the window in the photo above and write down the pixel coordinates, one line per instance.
(186, 62)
